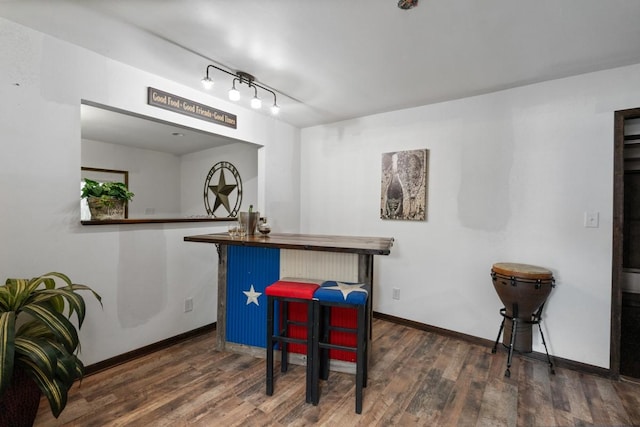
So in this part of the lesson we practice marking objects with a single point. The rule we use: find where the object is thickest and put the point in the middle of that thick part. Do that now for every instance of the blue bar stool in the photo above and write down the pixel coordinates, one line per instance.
(286, 291)
(340, 294)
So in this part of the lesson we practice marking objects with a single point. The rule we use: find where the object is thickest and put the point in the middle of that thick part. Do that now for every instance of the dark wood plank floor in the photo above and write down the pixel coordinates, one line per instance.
(416, 378)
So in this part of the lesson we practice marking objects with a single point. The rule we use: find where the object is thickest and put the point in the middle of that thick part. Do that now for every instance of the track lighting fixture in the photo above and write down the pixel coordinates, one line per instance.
(241, 77)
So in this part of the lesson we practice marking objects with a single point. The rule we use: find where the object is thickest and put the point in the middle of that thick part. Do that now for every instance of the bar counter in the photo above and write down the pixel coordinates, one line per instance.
(313, 242)
(247, 265)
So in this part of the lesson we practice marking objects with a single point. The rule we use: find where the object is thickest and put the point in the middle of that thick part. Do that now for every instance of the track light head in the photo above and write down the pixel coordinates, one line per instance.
(256, 103)
(207, 83)
(234, 94)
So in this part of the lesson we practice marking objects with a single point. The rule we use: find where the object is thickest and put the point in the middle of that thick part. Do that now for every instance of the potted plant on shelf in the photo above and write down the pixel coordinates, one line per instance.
(38, 344)
(106, 200)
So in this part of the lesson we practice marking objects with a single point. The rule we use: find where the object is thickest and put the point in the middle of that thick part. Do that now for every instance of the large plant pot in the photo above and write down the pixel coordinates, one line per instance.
(19, 404)
(102, 209)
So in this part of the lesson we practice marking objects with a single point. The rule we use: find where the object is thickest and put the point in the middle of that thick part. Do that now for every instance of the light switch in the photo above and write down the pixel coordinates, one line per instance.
(592, 219)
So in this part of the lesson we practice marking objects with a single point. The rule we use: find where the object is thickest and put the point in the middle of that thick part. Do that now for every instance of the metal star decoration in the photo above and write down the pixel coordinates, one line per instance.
(222, 191)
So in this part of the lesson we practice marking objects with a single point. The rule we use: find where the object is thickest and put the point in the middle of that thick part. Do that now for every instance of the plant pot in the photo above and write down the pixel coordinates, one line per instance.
(109, 208)
(19, 403)
(249, 220)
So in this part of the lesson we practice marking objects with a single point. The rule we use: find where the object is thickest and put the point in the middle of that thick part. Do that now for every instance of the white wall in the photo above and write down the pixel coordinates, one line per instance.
(143, 272)
(154, 176)
(511, 176)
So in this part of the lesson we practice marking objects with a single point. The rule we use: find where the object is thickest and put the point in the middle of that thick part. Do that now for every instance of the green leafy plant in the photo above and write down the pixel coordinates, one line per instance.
(105, 191)
(37, 336)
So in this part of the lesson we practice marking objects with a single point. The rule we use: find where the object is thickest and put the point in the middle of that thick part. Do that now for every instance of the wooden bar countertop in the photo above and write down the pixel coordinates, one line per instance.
(312, 242)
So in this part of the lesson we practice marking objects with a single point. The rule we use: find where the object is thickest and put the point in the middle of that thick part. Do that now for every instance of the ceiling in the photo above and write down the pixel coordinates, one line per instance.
(331, 60)
(103, 124)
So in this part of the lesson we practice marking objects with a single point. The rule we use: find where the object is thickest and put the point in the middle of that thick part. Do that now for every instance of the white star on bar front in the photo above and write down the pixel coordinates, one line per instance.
(252, 296)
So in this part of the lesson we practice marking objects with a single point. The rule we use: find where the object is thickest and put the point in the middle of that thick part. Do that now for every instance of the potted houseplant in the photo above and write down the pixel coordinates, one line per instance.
(106, 200)
(38, 342)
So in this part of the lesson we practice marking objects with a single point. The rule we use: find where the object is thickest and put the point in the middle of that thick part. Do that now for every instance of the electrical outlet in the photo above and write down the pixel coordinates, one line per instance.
(396, 293)
(188, 305)
(591, 219)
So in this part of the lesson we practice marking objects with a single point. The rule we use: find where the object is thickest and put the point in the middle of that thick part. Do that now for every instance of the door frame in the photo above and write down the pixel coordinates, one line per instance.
(618, 235)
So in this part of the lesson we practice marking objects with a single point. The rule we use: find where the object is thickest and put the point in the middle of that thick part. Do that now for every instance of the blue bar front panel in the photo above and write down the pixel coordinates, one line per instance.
(249, 271)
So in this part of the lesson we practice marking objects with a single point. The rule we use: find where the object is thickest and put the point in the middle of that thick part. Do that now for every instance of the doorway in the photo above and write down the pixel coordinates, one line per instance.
(625, 296)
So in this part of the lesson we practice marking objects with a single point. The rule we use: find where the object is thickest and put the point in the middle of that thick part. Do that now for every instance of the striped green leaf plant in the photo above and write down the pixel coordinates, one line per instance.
(38, 336)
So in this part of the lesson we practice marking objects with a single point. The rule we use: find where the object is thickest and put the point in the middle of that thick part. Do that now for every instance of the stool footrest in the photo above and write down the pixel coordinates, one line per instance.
(337, 347)
(342, 329)
(297, 323)
(290, 340)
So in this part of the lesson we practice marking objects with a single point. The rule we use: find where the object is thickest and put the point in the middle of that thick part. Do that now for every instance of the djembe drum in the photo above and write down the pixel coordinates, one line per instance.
(523, 289)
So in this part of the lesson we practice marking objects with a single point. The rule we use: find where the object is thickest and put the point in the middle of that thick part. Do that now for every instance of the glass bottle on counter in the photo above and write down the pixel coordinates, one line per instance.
(395, 192)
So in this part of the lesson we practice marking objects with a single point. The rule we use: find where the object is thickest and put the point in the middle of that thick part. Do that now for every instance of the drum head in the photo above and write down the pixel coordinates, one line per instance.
(524, 271)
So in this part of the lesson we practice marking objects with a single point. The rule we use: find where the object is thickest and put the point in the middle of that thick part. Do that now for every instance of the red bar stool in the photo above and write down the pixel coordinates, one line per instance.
(340, 294)
(286, 291)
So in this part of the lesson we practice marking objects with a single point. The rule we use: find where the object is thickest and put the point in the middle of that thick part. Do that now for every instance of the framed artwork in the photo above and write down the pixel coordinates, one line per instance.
(404, 185)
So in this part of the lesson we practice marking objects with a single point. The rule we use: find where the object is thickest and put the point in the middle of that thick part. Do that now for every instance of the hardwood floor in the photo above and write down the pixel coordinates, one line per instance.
(416, 378)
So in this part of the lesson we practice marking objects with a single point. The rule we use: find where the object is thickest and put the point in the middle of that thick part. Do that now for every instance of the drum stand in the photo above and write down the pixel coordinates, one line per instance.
(536, 318)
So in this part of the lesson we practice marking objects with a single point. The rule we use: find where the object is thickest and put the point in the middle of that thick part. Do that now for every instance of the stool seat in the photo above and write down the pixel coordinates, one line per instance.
(291, 289)
(346, 293)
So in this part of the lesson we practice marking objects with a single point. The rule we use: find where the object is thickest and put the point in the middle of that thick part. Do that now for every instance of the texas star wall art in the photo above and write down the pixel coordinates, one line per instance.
(404, 185)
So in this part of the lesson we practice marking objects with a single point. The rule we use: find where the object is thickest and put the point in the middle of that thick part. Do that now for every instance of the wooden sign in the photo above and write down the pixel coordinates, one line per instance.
(181, 105)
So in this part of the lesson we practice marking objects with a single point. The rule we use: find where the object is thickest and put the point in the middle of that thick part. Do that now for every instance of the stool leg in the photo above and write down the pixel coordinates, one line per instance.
(370, 318)
(284, 346)
(325, 318)
(360, 344)
(553, 372)
(269, 346)
(315, 371)
(310, 358)
(366, 353)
